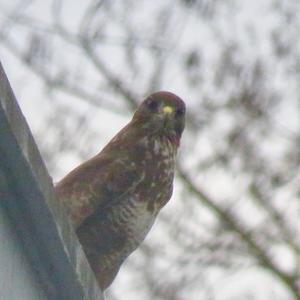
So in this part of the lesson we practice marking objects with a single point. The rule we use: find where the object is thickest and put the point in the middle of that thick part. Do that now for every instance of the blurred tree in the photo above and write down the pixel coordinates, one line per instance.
(232, 231)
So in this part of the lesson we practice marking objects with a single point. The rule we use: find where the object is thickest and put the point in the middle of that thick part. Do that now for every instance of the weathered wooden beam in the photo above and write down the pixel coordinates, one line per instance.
(40, 223)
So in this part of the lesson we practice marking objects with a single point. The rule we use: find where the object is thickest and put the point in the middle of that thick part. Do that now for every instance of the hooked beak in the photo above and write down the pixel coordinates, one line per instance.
(167, 109)
(167, 113)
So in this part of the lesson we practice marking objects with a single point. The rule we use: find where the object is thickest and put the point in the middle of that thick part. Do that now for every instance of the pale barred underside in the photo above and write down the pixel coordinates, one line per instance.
(133, 213)
(160, 153)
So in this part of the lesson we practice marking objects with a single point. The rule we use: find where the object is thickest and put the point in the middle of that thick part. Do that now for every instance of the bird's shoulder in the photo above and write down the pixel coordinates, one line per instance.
(101, 179)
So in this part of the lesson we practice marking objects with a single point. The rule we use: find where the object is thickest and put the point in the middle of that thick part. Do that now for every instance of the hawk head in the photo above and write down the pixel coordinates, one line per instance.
(162, 113)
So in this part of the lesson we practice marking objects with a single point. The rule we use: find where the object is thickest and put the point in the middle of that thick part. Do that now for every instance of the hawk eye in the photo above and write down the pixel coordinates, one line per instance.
(152, 104)
(180, 112)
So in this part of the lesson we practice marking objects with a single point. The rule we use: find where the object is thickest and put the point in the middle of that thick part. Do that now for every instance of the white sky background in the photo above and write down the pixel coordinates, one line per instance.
(252, 18)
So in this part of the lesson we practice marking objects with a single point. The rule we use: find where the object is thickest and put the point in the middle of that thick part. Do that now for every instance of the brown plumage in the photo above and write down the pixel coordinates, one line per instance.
(114, 198)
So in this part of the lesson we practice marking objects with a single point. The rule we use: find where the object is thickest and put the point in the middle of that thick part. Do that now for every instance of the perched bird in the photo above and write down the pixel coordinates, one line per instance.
(114, 198)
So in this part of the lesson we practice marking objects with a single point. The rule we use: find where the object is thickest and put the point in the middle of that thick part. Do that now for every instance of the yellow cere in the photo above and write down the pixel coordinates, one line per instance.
(167, 109)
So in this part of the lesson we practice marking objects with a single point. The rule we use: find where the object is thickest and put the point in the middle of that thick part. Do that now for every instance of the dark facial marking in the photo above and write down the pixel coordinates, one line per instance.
(180, 112)
(152, 104)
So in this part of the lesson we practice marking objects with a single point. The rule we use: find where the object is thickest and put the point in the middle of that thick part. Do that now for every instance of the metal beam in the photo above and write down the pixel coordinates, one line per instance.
(26, 192)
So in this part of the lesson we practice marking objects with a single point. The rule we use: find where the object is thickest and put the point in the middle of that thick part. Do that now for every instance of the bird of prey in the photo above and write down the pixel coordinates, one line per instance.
(114, 197)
